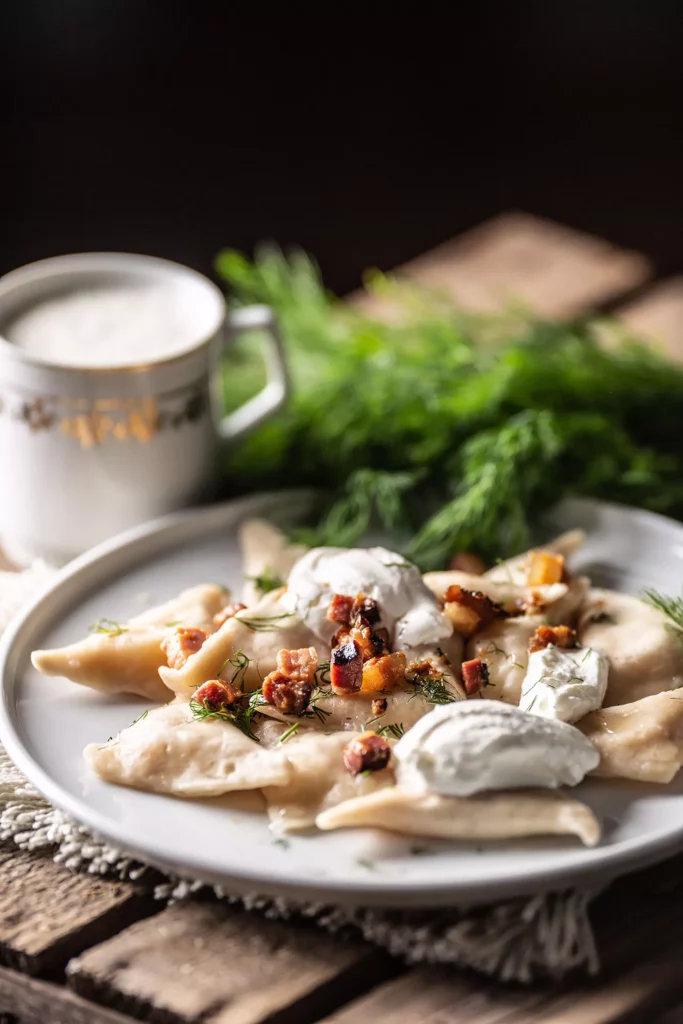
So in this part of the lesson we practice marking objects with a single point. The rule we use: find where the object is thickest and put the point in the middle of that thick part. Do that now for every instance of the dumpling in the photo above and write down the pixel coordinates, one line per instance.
(266, 552)
(559, 602)
(319, 780)
(497, 815)
(645, 650)
(127, 658)
(642, 740)
(168, 751)
(259, 632)
(504, 646)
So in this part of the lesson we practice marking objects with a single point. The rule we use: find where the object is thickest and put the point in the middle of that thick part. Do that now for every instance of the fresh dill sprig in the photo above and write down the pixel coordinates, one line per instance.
(322, 676)
(140, 717)
(432, 688)
(107, 626)
(262, 623)
(239, 714)
(240, 663)
(672, 607)
(290, 732)
(267, 581)
(394, 729)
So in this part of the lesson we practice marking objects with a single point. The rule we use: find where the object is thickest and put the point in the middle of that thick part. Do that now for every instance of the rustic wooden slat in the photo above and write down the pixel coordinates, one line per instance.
(48, 914)
(555, 270)
(658, 314)
(30, 1001)
(209, 962)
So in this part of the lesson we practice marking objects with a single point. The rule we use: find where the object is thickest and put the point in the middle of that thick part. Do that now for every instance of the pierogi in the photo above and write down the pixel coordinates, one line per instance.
(303, 699)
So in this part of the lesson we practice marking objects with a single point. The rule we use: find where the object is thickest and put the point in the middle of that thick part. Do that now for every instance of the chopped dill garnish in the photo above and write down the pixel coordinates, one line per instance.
(240, 663)
(108, 626)
(290, 732)
(262, 624)
(672, 607)
(140, 717)
(393, 729)
(432, 689)
(169, 625)
(364, 774)
(267, 581)
(364, 862)
(239, 714)
(589, 651)
(284, 843)
(322, 676)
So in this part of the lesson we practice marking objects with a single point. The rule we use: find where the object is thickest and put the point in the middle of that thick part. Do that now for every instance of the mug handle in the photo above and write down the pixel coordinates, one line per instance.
(236, 424)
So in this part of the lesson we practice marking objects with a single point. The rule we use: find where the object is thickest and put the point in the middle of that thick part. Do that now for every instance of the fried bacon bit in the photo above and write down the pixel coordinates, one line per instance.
(465, 561)
(229, 612)
(558, 636)
(544, 567)
(379, 706)
(346, 668)
(470, 610)
(289, 696)
(340, 609)
(181, 644)
(298, 665)
(372, 643)
(290, 687)
(365, 608)
(216, 694)
(366, 753)
(384, 673)
(475, 676)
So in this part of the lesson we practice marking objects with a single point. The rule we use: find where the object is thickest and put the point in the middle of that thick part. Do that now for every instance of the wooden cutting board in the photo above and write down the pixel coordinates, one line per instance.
(93, 951)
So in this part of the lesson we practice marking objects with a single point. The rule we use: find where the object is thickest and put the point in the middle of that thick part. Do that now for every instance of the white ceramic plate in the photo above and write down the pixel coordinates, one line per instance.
(45, 724)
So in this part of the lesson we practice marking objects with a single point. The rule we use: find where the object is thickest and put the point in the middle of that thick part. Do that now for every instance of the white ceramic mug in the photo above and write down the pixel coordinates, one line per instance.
(88, 451)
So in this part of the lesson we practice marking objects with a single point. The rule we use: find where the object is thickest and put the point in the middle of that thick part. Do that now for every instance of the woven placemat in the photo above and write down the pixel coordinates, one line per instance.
(517, 939)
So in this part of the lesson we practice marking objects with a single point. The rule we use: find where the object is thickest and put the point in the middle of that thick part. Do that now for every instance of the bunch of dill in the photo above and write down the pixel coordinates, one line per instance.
(456, 430)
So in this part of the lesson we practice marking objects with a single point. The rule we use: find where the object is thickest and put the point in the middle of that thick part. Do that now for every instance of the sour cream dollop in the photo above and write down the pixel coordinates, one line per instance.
(471, 746)
(408, 608)
(564, 684)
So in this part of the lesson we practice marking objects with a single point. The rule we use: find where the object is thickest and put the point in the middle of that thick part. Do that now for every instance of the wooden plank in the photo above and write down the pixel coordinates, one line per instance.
(658, 314)
(516, 257)
(30, 1001)
(48, 914)
(210, 962)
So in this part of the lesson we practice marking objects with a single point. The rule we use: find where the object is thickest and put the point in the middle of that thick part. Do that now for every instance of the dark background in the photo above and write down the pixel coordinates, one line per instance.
(364, 134)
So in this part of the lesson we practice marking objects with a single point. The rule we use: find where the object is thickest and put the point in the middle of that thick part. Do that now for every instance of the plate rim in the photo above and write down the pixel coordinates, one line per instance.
(604, 864)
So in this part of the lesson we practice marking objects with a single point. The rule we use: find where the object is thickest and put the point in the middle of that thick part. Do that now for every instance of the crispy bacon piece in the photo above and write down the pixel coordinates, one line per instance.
(366, 753)
(216, 694)
(465, 561)
(384, 673)
(346, 668)
(290, 687)
(371, 643)
(229, 612)
(298, 665)
(544, 567)
(475, 675)
(290, 696)
(469, 610)
(558, 636)
(340, 609)
(379, 706)
(365, 608)
(181, 644)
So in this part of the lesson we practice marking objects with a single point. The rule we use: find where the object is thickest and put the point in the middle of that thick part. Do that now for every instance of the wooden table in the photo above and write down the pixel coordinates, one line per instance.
(74, 948)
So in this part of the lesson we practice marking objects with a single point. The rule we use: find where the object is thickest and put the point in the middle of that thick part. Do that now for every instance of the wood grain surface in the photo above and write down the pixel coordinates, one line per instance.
(204, 962)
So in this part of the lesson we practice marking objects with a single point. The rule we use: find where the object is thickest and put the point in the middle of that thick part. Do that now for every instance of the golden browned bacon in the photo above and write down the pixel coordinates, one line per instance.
(469, 610)
(365, 608)
(181, 644)
(215, 694)
(384, 673)
(340, 609)
(298, 665)
(366, 753)
(544, 567)
(290, 686)
(558, 636)
(379, 706)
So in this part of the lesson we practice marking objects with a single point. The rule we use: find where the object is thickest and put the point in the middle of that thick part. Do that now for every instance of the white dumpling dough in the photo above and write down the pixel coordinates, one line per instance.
(265, 549)
(645, 650)
(504, 646)
(485, 816)
(319, 780)
(513, 570)
(167, 751)
(642, 740)
(129, 662)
